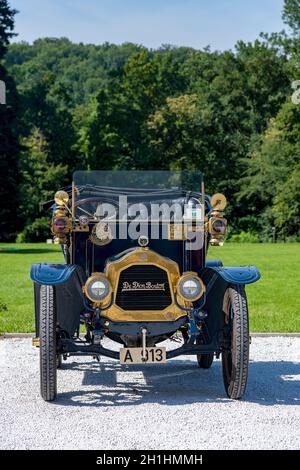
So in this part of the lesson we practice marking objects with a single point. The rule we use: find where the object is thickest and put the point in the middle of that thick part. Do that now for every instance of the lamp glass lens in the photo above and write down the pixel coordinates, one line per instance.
(219, 226)
(190, 288)
(98, 289)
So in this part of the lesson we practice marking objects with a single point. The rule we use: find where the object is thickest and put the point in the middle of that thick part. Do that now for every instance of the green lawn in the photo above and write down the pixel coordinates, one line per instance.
(274, 301)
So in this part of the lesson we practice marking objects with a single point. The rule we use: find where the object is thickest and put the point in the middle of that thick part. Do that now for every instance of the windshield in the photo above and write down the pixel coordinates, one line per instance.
(145, 181)
(140, 199)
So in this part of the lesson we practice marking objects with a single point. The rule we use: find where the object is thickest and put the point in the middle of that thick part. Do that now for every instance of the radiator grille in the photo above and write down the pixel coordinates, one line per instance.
(143, 287)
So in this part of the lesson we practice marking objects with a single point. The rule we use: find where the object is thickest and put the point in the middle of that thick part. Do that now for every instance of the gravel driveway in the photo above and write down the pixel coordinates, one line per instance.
(173, 406)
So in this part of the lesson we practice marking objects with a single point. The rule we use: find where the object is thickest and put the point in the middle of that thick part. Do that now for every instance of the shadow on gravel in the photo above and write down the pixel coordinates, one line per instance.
(179, 383)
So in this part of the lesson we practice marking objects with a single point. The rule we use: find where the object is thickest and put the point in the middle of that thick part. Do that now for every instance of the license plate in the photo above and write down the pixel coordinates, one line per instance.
(137, 356)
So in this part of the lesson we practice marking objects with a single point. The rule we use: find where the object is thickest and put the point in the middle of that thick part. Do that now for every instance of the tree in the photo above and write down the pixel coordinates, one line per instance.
(174, 132)
(291, 15)
(39, 178)
(7, 22)
(271, 186)
(46, 105)
(9, 147)
(128, 107)
(115, 133)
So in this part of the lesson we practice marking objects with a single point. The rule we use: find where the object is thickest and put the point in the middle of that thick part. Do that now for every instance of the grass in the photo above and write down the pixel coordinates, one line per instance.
(16, 289)
(274, 301)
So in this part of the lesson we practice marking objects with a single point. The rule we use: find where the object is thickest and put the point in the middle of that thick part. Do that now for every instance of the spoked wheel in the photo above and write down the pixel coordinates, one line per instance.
(235, 362)
(48, 356)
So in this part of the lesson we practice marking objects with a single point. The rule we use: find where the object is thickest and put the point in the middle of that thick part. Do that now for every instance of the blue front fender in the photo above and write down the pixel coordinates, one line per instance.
(52, 274)
(216, 263)
(238, 274)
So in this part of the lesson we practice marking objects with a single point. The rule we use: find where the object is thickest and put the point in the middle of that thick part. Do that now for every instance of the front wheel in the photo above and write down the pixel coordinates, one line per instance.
(48, 356)
(235, 362)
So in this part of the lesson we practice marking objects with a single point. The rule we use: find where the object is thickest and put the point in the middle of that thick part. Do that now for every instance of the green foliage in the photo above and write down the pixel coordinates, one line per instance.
(272, 180)
(46, 106)
(40, 177)
(286, 207)
(82, 69)
(227, 114)
(244, 237)
(9, 145)
(291, 15)
(37, 231)
(7, 22)
(293, 239)
(174, 131)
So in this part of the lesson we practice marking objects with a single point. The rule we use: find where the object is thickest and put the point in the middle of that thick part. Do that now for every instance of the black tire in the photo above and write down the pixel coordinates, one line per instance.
(205, 360)
(48, 356)
(235, 363)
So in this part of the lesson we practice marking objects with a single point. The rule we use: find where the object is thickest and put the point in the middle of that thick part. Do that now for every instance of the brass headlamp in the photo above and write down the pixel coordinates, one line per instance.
(217, 224)
(97, 288)
(190, 287)
(61, 224)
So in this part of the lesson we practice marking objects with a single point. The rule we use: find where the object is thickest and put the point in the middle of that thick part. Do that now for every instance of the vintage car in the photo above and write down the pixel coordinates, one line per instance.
(136, 271)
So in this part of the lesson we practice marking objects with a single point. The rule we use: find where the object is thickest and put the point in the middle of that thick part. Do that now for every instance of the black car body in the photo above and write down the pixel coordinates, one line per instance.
(140, 276)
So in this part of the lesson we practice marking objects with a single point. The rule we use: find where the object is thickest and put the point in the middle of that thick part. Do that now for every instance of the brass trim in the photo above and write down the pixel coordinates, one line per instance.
(61, 198)
(60, 240)
(191, 274)
(93, 277)
(217, 238)
(203, 196)
(218, 202)
(73, 200)
(169, 314)
(68, 227)
(211, 228)
(36, 342)
(217, 241)
(72, 246)
(81, 228)
(177, 232)
(60, 212)
(95, 240)
(142, 256)
(203, 251)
